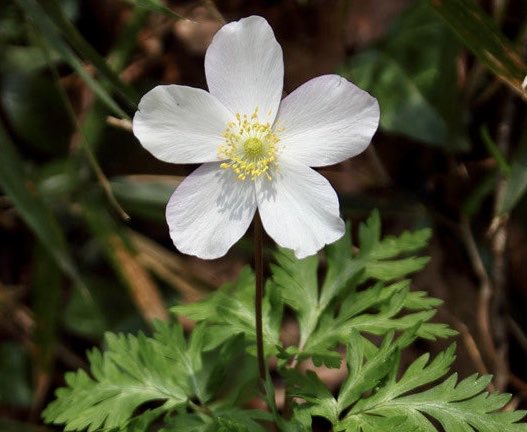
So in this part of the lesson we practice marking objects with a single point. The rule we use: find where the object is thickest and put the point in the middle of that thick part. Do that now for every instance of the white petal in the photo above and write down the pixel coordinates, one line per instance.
(209, 211)
(299, 209)
(326, 121)
(181, 124)
(245, 68)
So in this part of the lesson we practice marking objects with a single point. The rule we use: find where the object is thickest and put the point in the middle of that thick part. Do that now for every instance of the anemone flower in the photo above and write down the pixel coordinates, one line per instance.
(256, 149)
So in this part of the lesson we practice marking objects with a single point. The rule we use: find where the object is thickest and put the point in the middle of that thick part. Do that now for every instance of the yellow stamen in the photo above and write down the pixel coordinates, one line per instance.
(250, 147)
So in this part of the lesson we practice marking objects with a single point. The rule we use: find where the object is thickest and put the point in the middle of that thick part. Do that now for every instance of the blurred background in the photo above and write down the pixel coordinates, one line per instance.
(84, 247)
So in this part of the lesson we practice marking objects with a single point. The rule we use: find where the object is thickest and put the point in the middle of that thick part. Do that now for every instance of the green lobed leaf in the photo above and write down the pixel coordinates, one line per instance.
(230, 310)
(297, 282)
(132, 371)
(330, 319)
(463, 406)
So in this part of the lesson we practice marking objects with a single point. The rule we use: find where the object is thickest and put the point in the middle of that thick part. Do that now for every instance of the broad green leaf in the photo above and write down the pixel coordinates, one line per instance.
(56, 14)
(481, 35)
(51, 35)
(516, 184)
(31, 103)
(414, 85)
(406, 111)
(144, 197)
(31, 207)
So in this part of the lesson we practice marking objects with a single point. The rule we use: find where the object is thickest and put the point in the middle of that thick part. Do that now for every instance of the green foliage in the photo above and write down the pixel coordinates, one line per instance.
(327, 318)
(51, 35)
(414, 85)
(362, 310)
(166, 369)
(372, 399)
(517, 181)
(482, 36)
(230, 310)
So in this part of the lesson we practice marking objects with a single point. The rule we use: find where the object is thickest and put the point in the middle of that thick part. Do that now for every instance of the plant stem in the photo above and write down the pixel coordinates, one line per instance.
(258, 268)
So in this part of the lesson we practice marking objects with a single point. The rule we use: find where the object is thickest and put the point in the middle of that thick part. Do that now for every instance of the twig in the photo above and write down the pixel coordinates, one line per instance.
(472, 347)
(119, 123)
(499, 235)
(485, 289)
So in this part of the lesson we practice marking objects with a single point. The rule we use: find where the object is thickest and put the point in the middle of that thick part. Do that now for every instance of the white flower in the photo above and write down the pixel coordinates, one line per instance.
(256, 150)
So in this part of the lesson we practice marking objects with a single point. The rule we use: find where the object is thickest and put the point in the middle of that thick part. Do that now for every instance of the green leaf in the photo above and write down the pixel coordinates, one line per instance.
(132, 371)
(31, 103)
(516, 184)
(155, 6)
(342, 269)
(51, 35)
(455, 405)
(297, 282)
(364, 375)
(230, 310)
(239, 420)
(494, 151)
(144, 198)
(167, 369)
(320, 401)
(481, 35)
(330, 320)
(31, 207)
(383, 258)
(56, 14)
(414, 85)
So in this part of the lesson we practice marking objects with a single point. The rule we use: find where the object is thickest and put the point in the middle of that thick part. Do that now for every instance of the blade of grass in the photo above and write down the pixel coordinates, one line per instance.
(34, 211)
(75, 39)
(494, 151)
(86, 146)
(31, 207)
(46, 288)
(481, 35)
(155, 6)
(123, 258)
(46, 28)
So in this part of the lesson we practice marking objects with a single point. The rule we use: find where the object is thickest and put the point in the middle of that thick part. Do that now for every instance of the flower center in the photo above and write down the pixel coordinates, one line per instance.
(250, 147)
(253, 147)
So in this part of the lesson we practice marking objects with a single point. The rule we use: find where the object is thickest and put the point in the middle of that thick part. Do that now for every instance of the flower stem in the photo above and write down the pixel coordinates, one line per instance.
(258, 268)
